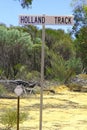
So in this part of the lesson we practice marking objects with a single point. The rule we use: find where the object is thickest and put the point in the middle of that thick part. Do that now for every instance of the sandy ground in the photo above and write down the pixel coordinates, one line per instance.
(64, 110)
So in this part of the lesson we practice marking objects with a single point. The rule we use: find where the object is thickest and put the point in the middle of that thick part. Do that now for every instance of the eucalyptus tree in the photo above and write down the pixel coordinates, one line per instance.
(14, 45)
(64, 46)
(52, 36)
(80, 29)
(36, 48)
(81, 46)
(80, 14)
(61, 60)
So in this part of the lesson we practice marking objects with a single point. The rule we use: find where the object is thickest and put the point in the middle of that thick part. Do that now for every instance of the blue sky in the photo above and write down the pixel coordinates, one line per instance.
(11, 9)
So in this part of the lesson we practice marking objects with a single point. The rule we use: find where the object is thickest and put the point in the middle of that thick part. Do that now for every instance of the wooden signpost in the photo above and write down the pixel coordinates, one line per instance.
(44, 20)
(18, 90)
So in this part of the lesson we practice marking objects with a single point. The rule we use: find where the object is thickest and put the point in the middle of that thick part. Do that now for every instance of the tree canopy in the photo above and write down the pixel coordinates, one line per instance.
(80, 14)
(25, 3)
(20, 48)
(80, 30)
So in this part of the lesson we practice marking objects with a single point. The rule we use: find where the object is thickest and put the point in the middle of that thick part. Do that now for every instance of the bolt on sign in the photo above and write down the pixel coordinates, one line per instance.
(47, 20)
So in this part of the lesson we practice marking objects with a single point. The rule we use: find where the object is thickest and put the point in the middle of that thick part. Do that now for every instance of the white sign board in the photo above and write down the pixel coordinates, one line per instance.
(46, 20)
(18, 90)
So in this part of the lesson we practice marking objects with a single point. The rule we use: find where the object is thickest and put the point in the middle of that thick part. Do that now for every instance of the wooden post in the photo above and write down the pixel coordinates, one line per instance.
(42, 75)
(18, 107)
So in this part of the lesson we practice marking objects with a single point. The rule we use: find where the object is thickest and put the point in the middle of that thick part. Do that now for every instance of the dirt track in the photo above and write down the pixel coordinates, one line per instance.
(62, 111)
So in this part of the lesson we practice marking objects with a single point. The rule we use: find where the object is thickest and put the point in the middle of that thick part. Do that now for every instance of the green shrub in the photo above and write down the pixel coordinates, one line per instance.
(2, 90)
(9, 118)
(35, 75)
(57, 71)
(74, 64)
(22, 72)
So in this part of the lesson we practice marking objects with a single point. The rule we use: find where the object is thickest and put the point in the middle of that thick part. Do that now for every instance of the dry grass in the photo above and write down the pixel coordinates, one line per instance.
(61, 111)
(83, 76)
